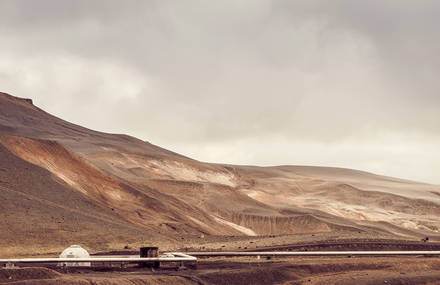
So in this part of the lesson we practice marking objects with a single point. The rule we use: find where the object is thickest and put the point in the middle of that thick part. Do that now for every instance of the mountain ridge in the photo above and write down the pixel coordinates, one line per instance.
(161, 195)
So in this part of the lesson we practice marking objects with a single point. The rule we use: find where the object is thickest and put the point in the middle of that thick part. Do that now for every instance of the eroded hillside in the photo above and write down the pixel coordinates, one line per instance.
(141, 191)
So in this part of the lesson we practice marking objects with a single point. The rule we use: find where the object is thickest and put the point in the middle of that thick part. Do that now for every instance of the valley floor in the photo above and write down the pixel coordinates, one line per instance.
(317, 270)
(251, 270)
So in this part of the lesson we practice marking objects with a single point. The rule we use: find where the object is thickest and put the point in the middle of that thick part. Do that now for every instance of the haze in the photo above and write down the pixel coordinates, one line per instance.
(338, 83)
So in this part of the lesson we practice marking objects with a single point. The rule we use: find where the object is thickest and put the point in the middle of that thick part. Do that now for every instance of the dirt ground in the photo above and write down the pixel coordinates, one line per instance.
(252, 270)
(295, 270)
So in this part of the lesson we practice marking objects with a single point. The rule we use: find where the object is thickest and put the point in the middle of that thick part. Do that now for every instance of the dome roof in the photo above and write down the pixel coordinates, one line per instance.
(74, 251)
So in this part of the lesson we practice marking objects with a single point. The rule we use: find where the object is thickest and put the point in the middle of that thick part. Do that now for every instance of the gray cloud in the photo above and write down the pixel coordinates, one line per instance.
(345, 83)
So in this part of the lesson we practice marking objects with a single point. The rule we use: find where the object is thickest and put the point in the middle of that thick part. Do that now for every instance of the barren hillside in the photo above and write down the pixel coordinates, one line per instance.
(61, 183)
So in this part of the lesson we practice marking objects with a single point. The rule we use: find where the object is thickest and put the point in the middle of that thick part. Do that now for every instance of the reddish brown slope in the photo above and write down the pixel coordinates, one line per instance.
(151, 189)
(40, 214)
(68, 152)
(364, 198)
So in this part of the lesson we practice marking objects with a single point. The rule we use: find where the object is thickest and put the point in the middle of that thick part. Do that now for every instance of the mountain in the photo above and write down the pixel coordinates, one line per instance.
(61, 183)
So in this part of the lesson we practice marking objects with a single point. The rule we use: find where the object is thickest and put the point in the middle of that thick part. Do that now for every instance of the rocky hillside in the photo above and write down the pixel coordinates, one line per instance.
(62, 183)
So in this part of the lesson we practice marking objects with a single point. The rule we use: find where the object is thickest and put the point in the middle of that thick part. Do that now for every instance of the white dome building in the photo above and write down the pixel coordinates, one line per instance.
(74, 251)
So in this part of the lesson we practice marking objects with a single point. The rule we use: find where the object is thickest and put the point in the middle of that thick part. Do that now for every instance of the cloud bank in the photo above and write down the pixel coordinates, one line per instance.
(339, 83)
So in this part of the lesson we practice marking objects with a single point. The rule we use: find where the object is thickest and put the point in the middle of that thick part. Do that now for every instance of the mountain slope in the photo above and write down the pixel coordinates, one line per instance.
(38, 210)
(122, 189)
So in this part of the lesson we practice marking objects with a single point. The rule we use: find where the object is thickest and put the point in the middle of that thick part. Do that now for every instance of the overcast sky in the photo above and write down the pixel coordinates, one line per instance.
(332, 83)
